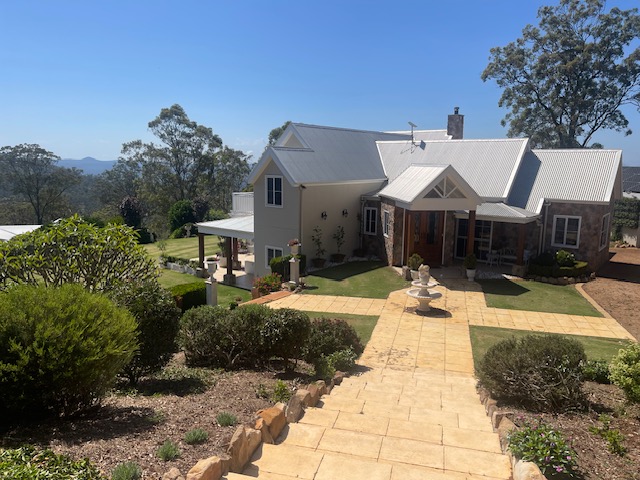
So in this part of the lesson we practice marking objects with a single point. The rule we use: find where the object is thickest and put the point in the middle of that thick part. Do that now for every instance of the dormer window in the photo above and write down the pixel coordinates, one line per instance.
(274, 190)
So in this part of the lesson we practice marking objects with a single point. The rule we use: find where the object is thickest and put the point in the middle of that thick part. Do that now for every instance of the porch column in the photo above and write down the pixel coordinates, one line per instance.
(229, 278)
(201, 250)
(471, 231)
(520, 250)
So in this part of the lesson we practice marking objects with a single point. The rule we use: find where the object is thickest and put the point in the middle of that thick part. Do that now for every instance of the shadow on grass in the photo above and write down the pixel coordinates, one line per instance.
(346, 270)
(502, 287)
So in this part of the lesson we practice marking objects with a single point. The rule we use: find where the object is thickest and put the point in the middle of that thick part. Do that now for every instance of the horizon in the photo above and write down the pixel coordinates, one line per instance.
(81, 79)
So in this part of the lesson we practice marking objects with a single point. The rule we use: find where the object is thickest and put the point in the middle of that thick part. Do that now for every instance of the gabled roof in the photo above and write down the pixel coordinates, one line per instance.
(631, 179)
(571, 175)
(329, 155)
(7, 232)
(237, 227)
(414, 189)
(488, 166)
(425, 135)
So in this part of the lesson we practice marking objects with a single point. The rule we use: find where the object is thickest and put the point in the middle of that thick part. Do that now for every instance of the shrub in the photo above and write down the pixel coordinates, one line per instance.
(470, 262)
(226, 419)
(281, 392)
(285, 333)
(343, 360)
(596, 371)
(542, 373)
(281, 265)
(625, 371)
(328, 336)
(126, 471)
(31, 463)
(268, 283)
(215, 336)
(158, 320)
(60, 348)
(196, 436)
(565, 259)
(545, 447)
(545, 259)
(613, 436)
(415, 261)
(168, 451)
(189, 295)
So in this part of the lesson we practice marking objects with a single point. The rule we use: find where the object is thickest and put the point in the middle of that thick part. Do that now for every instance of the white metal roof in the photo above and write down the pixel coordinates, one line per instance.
(425, 135)
(7, 232)
(236, 227)
(488, 166)
(330, 155)
(572, 175)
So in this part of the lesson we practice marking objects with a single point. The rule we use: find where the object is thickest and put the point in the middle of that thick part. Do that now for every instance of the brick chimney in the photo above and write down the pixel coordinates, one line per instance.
(455, 125)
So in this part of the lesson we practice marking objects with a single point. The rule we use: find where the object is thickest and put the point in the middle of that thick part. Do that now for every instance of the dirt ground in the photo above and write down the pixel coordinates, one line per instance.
(617, 288)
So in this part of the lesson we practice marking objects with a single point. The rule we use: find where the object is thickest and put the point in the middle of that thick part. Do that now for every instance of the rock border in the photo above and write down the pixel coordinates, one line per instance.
(503, 425)
(267, 426)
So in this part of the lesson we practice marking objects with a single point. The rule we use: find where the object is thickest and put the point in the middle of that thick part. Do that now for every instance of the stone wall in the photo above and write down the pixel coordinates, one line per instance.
(589, 243)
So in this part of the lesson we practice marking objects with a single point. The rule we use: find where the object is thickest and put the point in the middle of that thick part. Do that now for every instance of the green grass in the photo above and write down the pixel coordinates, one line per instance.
(226, 294)
(355, 279)
(536, 297)
(362, 324)
(184, 247)
(226, 419)
(596, 348)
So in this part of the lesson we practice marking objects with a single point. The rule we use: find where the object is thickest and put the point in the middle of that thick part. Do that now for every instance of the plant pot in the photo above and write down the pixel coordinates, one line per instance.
(255, 293)
(414, 274)
(337, 257)
(318, 262)
(222, 263)
(471, 274)
(295, 249)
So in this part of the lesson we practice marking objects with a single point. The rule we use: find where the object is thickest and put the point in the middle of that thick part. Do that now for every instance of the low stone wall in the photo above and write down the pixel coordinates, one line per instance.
(267, 426)
(565, 280)
(504, 426)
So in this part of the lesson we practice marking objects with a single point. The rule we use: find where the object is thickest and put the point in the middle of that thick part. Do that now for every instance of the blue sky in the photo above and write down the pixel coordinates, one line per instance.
(81, 77)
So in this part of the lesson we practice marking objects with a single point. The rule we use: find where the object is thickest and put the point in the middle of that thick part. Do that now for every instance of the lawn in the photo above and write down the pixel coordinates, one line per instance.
(184, 247)
(536, 297)
(362, 324)
(355, 279)
(596, 348)
(226, 294)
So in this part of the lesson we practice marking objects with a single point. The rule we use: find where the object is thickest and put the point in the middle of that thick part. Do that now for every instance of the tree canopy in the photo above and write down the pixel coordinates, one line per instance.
(31, 173)
(275, 134)
(569, 77)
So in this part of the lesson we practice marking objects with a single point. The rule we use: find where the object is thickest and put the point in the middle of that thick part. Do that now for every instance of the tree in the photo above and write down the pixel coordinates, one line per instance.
(568, 78)
(73, 251)
(131, 211)
(121, 181)
(275, 134)
(230, 174)
(32, 173)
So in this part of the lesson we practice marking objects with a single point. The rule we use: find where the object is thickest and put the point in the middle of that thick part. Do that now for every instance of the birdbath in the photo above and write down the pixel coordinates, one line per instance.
(422, 293)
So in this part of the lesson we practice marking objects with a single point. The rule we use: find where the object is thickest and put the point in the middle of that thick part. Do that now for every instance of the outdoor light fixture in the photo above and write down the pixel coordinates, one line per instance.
(324, 215)
(345, 213)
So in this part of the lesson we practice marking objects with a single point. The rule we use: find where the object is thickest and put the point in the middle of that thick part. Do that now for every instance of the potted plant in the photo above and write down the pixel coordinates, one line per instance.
(470, 262)
(414, 263)
(339, 238)
(316, 238)
(294, 244)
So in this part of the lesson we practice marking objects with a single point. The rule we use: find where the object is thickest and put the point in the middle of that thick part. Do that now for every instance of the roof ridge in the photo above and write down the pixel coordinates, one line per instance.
(326, 127)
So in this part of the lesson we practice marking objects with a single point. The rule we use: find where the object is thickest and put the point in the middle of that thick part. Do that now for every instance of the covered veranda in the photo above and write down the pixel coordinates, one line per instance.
(231, 229)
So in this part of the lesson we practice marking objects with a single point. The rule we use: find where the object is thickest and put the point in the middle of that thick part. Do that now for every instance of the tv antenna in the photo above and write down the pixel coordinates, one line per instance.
(413, 125)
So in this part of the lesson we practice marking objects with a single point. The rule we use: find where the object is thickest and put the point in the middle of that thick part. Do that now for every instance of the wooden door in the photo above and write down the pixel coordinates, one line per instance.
(424, 231)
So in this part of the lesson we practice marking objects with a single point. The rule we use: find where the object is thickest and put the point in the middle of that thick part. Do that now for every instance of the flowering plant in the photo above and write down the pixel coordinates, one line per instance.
(545, 447)
(293, 242)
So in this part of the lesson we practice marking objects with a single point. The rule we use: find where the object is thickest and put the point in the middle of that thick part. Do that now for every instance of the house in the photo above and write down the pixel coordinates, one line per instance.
(627, 211)
(431, 192)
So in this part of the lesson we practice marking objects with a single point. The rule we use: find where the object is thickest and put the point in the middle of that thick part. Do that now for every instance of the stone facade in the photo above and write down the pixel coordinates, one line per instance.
(590, 227)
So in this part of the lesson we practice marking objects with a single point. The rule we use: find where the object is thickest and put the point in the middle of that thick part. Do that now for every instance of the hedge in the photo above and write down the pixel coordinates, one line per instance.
(579, 269)
(189, 295)
(280, 265)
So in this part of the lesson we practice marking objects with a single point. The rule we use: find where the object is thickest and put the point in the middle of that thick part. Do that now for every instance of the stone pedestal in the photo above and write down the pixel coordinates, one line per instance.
(212, 291)
(294, 270)
(229, 279)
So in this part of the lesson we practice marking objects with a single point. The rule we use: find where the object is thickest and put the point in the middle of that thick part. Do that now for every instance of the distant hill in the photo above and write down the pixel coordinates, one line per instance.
(89, 165)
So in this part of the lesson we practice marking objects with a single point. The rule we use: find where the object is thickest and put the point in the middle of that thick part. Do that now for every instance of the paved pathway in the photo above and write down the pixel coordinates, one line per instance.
(414, 413)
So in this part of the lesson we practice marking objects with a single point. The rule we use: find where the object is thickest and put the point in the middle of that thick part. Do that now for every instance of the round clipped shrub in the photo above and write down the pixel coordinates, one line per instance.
(201, 335)
(158, 319)
(285, 333)
(330, 335)
(624, 371)
(542, 373)
(60, 348)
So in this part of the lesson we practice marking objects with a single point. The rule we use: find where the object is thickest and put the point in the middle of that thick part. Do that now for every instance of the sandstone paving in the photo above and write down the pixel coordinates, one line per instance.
(413, 412)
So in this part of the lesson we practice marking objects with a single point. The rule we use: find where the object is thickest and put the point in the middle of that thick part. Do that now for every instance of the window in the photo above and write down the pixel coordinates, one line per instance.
(386, 219)
(272, 252)
(604, 232)
(566, 231)
(370, 220)
(274, 191)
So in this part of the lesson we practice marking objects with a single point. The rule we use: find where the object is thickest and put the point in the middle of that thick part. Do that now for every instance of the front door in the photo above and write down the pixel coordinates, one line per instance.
(425, 236)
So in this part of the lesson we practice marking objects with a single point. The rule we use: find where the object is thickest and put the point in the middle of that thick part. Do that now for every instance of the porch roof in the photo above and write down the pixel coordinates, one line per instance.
(236, 227)
(501, 212)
